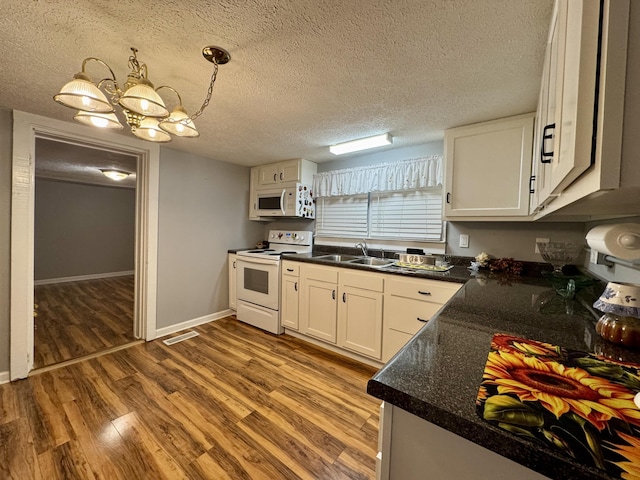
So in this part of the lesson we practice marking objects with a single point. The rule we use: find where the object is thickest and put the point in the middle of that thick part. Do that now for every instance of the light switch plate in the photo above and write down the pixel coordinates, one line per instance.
(464, 241)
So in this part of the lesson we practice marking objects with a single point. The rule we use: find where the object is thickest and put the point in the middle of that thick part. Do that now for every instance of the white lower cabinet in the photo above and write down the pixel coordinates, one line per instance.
(367, 313)
(411, 448)
(318, 305)
(360, 313)
(409, 303)
(289, 305)
(232, 281)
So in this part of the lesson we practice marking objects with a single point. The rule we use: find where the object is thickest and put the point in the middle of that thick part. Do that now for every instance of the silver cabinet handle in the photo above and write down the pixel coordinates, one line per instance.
(424, 293)
(422, 320)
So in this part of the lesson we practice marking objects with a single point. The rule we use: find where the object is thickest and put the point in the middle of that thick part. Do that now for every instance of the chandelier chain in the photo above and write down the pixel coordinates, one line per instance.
(205, 104)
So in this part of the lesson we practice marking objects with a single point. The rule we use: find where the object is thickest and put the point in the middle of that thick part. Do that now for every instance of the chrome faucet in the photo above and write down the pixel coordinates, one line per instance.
(363, 245)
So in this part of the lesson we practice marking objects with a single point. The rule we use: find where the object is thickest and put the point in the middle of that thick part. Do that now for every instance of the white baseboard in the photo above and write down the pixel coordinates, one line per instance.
(4, 377)
(79, 278)
(164, 331)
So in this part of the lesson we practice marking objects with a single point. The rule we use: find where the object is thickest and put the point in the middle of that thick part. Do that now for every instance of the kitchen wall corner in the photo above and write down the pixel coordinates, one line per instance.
(203, 205)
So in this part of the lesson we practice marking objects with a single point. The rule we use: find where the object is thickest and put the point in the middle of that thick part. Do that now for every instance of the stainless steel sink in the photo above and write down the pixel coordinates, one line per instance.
(372, 262)
(336, 258)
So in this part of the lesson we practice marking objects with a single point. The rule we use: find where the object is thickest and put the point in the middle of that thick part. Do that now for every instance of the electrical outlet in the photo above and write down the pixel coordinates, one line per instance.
(541, 240)
(464, 241)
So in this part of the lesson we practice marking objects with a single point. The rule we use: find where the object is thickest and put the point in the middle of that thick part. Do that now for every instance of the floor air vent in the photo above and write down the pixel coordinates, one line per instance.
(180, 338)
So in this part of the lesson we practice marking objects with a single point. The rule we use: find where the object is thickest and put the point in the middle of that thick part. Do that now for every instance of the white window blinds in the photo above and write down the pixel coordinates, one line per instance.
(342, 216)
(407, 215)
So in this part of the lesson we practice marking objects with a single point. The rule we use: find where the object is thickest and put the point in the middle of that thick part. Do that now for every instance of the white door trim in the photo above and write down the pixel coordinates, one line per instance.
(26, 127)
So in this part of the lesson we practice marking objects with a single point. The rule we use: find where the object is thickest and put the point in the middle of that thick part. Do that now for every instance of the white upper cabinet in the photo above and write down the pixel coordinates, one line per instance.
(592, 86)
(297, 170)
(564, 129)
(487, 168)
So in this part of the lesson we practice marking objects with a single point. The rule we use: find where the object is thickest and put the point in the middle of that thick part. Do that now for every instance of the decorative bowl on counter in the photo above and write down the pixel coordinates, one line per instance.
(559, 254)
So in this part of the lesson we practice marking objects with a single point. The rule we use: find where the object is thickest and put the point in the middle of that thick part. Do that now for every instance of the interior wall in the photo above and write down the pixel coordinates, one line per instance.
(203, 212)
(82, 229)
(6, 142)
(509, 239)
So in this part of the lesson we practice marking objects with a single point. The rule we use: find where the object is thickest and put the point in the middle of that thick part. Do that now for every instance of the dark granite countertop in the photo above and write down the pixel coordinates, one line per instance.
(457, 274)
(437, 374)
(236, 250)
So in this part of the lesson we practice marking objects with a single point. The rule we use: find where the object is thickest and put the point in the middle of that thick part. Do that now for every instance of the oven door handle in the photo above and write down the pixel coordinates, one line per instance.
(256, 261)
(282, 200)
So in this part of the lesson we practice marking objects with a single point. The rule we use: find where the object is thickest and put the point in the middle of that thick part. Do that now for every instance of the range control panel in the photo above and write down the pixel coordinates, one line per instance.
(295, 237)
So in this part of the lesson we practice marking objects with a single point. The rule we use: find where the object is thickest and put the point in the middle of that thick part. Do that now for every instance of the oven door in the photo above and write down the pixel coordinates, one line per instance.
(257, 281)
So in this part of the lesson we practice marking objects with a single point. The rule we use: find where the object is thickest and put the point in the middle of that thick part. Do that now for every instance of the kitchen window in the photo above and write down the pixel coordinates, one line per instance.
(407, 215)
(391, 201)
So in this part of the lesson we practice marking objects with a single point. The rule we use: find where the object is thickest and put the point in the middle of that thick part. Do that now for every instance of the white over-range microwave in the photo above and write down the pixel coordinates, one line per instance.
(294, 201)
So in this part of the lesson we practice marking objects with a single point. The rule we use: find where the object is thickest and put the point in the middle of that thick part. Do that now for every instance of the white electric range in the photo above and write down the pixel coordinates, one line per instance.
(258, 278)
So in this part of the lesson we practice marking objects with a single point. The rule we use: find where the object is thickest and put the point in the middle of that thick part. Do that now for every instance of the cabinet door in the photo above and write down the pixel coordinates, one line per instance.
(488, 166)
(253, 199)
(289, 171)
(319, 309)
(232, 281)
(575, 83)
(545, 140)
(290, 301)
(268, 174)
(360, 321)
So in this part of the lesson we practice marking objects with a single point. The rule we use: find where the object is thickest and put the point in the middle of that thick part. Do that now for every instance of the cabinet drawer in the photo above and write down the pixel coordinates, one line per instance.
(402, 314)
(367, 281)
(425, 290)
(393, 342)
(322, 274)
(290, 268)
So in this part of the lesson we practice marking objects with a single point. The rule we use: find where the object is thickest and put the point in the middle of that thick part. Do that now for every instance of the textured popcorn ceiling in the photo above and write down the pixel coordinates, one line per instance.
(304, 74)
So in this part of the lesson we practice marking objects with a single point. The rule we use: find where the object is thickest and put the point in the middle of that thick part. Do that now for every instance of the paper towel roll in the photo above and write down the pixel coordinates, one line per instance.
(620, 240)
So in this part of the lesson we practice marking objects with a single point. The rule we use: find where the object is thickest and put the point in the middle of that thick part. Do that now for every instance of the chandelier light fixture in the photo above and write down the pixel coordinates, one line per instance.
(142, 107)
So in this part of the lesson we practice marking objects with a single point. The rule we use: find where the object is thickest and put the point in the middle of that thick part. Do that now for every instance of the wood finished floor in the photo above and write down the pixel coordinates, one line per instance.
(233, 403)
(81, 318)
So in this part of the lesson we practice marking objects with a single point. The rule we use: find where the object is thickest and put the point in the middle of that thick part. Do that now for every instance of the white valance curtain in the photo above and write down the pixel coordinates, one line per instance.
(415, 174)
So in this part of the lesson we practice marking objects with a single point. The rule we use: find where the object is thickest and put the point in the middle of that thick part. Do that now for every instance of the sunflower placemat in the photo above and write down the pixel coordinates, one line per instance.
(574, 402)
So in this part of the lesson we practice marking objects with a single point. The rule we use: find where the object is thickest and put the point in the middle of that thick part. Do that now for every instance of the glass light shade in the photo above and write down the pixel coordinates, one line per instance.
(144, 100)
(102, 120)
(361, 144)
(179, 124)
(81, 94)
(149, 130)
(116, 175)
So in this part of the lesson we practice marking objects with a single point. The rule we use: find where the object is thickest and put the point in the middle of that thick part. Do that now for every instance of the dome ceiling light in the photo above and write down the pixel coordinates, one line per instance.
(142, 107)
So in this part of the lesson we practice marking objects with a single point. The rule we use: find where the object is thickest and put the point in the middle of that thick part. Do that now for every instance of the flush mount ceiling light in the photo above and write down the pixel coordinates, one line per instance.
(142, 107)
(116, 175)
(361, 144)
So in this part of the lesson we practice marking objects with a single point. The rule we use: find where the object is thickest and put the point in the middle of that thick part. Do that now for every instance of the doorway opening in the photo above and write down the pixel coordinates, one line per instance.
(27, 129)
(84, 251)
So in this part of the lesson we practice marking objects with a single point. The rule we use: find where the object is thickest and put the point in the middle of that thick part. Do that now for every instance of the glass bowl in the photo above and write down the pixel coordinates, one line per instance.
(559, 254)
